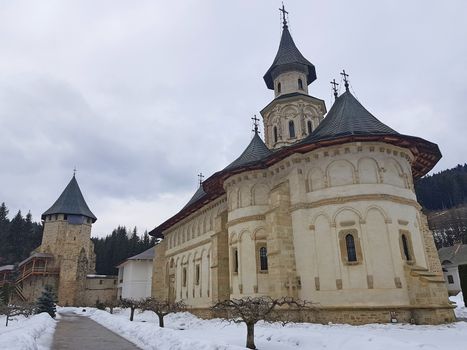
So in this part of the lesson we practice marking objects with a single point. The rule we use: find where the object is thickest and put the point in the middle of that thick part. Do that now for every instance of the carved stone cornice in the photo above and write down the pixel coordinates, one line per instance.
(358, 197)
(246, 219)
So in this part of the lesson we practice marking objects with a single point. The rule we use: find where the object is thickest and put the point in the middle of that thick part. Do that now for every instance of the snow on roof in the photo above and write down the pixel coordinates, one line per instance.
(100, 276)
(7, 267)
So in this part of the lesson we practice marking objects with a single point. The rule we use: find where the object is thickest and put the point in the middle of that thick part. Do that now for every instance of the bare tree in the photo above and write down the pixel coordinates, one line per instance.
(162, 307)
(17, 309)
(250, 310)
(132, 304)
(112, 304)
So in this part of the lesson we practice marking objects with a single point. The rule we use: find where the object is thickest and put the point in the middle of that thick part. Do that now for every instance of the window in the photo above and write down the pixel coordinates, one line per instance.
(263, 259)
(275, 134)
(291, 129)
(235, 260)
(65, 217)
(450, 279)
(184, 277)
(197, 275)
(300, 84)
(308, 124)
(405, 247)
(278, 88)
(100, 281)
(350, 246)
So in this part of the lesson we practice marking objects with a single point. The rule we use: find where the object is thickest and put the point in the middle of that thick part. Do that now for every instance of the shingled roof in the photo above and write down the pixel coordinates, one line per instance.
(253, 153)
(200, 193)
(71, 202)
(348, 117)
(288, 57)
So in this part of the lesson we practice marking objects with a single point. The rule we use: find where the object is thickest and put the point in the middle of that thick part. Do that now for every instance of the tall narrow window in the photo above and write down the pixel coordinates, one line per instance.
(184, 277)
(235, 262)
(405, 247)
(350, 244)
(291, 129)
(308, 124)
(275, 134)
(263, 259)
(300, 84)
(197, 275)
(278, 88)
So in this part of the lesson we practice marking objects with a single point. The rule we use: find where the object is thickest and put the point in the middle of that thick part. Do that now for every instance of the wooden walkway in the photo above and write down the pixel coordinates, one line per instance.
(76, 332)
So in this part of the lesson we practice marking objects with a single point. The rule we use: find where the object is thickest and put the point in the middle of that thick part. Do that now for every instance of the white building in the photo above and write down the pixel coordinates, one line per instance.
(451, 258)
(135, 276)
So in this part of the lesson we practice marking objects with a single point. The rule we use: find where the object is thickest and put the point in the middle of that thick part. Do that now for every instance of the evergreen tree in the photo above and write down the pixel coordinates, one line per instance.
(4, 225)
(46, 302)
(15, 240)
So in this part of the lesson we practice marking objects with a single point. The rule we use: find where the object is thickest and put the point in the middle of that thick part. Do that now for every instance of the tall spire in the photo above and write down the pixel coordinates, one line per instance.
(288, 58)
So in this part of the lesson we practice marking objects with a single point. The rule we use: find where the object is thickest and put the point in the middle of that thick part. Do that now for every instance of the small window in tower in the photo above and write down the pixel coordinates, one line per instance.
(100, 281)
(275, 134)
(405, 247)
(291, 129)
(450, 279)
(184, 277)
(263, 259)
(350, 245)
(65, 217)
(278, 88)
(300, 84)
(308, 124)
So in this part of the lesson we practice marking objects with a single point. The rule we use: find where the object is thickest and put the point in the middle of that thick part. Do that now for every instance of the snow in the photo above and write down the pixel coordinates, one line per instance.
(32, 333)
(460, 310)
(185, 331)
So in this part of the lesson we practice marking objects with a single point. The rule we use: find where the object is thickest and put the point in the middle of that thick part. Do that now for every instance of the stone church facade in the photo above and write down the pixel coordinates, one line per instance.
(324, 210)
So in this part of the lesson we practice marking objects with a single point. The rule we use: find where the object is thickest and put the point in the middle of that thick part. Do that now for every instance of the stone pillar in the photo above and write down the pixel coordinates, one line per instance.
(220, 260)
(281, 254)
(159, 287)
(434, 265)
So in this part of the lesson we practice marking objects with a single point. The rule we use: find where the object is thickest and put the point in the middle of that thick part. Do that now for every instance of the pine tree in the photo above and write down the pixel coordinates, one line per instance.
(46, 302)
(4, 223)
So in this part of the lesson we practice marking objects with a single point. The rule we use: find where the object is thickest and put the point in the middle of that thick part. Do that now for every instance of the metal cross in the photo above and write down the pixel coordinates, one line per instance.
(284, 20)
(255, 124)
(346, 81)
(200, 178)
(334, 87)
(74, 171)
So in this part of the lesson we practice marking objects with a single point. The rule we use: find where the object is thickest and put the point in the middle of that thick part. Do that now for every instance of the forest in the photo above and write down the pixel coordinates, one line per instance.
(442, 195)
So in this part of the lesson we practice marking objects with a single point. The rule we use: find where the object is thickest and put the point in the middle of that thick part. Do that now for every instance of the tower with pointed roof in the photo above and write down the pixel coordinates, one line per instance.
(293, 114)
(67, 237)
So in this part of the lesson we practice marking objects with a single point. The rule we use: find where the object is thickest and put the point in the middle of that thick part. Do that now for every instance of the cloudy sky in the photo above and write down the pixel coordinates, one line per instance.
(141, 96)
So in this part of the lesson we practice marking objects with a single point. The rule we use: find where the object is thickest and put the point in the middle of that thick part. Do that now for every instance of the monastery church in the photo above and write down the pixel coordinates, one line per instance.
(323, 210)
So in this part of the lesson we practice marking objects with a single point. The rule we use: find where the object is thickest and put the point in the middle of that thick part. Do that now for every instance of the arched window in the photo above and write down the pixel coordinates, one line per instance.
(275, 134)
(300, 84)
(308, 124)
(278, 88)
(350, 244)
(291, 129)
(235, 267)
(405, 247)
(263, 259)
(184, 277)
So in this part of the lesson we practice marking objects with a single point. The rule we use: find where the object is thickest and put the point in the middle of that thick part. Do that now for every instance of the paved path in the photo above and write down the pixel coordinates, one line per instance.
(76, 332)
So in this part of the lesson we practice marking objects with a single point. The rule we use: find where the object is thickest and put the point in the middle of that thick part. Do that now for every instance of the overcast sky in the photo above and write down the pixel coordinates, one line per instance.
(141, 96)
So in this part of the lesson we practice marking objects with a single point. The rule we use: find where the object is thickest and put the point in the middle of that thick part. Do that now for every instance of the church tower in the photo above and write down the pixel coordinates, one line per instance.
(67, 237)
(293, 114)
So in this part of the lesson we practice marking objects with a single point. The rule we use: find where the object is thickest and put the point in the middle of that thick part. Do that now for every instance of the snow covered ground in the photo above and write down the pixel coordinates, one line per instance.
(185, 331)
(32, 333)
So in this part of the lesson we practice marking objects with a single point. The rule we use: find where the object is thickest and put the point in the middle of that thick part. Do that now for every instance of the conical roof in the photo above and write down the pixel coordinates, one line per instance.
(254, 152)
(288, 57)
(347, 117)
(71, 201)
(200, 193)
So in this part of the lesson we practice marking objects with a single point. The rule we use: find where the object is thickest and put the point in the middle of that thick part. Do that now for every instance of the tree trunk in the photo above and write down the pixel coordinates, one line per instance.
(250, 336)
(132, 314)
(161, 321)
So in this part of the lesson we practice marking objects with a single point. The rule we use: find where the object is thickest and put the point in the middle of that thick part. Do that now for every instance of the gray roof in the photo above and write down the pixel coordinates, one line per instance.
(348, 117)
(71, 201)
(456, 255)
(146, 255)
(35, 255)
(7, 268)
(253, 153)
(288, 57)
(200, 193)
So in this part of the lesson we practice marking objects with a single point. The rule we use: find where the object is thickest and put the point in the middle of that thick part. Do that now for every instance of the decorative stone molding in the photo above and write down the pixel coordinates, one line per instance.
(339, 283)
(397, 282)
(317, 283)
(402, 222)
(246, 219)
(369, 281)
